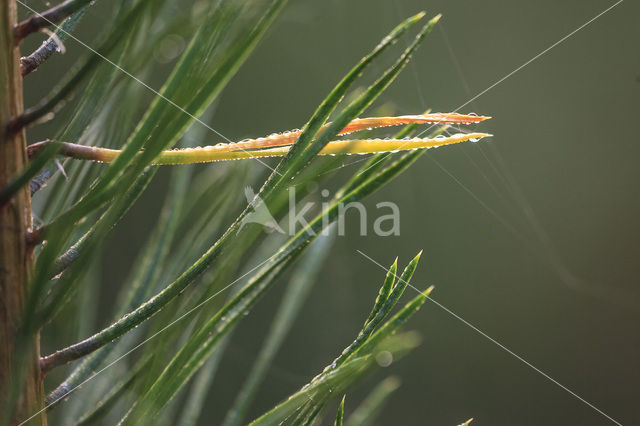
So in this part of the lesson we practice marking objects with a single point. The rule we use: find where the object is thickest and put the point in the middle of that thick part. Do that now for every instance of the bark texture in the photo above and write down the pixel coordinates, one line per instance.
(16, 257)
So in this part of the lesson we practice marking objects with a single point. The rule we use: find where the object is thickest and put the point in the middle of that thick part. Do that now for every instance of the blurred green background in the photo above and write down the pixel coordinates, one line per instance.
(532, 236)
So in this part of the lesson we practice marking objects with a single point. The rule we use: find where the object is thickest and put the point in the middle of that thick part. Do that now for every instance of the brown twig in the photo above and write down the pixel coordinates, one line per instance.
(53, 44)
(47, 18)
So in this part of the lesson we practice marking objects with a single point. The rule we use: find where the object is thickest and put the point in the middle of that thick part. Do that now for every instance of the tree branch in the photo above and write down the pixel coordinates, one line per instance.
(30, 63)
(21, 391)
(78, 75)
(49, 17)
(26, 174)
